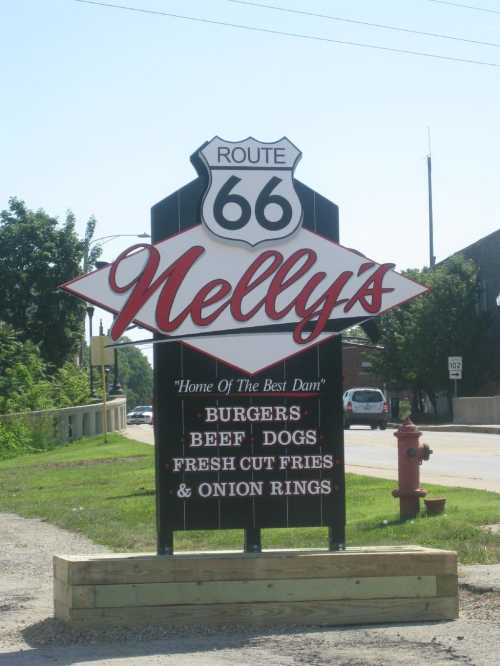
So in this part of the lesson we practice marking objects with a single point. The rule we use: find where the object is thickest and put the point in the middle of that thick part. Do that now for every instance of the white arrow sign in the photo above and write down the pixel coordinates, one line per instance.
(455, 367)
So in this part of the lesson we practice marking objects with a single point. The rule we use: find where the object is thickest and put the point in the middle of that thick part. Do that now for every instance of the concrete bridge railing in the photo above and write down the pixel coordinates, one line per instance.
(71, 423)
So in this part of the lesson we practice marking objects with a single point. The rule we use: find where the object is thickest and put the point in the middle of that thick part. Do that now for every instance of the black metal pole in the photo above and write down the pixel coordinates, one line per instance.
(116, 389)
(165, 543)
(253, 543)
(117, 386)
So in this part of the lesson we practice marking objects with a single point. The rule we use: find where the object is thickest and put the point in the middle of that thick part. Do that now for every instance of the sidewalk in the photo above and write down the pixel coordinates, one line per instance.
(489, 429)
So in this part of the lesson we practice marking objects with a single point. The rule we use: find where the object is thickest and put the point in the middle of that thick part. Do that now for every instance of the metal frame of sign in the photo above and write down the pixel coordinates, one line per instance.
(176, 414)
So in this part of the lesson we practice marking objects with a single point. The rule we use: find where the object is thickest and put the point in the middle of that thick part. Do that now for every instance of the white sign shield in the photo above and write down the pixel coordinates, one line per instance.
(251, 196)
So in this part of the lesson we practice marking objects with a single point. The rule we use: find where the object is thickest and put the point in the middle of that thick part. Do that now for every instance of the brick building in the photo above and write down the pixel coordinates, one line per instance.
(356, 367)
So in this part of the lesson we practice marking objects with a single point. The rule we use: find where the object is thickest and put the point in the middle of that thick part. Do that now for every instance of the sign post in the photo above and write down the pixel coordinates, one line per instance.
(455, 370)
(246, 290)
(104, 404)
(101, 355)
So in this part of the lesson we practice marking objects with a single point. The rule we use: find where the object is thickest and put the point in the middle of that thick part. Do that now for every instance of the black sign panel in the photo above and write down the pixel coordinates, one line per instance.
(235, 450)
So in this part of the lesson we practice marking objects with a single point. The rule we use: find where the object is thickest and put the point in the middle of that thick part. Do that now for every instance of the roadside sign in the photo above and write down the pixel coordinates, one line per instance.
(251, 278)
(455, 367)
(248, 284)
(100, 354)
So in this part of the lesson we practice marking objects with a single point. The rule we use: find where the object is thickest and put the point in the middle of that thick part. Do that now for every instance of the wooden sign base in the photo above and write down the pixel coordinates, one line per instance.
(301, 587)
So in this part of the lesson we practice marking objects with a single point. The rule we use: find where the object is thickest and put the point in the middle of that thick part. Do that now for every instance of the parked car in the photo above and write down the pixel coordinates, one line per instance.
(141, 414)
(365, 406)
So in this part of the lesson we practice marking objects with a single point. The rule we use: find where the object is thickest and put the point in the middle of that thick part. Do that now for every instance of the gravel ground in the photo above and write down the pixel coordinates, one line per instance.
(29, 635)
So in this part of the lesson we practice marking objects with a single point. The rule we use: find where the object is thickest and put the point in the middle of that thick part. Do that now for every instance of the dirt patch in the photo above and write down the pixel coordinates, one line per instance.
(491, 529)
(26, 550)
(91, 463)
(480, 606)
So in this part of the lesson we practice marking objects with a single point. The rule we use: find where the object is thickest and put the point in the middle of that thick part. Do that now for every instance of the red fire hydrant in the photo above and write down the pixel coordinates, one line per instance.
(411, 453)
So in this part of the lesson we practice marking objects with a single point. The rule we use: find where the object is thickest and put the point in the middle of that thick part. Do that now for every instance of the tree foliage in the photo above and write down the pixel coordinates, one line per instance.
(25, 383)
(23, 378)
(419, 336)
(37, 254)
(136, 376)
(90, 254)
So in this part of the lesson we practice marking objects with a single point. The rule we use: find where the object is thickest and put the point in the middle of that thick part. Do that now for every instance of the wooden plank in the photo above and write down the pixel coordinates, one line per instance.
(266, 614)
(74, 596)
(61, 568)
(161, 594)
(447, 586)
(61, 611)
(275, 552)
(83, 596)
(62, 592)
(276, 565)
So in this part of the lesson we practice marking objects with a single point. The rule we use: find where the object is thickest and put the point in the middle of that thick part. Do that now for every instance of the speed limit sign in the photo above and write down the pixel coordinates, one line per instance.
(455, 367)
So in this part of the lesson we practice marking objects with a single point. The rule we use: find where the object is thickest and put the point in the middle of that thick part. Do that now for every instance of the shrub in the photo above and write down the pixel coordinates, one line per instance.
(15, 438)
(22, 434)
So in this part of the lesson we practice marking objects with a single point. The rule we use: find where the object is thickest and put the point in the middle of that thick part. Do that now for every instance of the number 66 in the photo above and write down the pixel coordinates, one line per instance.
(264, 199)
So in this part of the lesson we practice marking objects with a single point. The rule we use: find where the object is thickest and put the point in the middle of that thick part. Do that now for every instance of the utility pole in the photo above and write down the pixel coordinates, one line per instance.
(432, 258)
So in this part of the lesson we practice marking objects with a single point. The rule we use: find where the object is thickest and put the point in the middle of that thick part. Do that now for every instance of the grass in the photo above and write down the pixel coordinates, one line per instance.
(106, 492)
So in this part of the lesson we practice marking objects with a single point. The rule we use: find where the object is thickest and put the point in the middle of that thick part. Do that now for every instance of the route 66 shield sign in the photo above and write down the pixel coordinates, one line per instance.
(251, 196)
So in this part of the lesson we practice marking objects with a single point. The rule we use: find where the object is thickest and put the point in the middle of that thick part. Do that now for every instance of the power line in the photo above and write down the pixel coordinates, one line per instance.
(298, 35)
(382, 26)
(458, 4)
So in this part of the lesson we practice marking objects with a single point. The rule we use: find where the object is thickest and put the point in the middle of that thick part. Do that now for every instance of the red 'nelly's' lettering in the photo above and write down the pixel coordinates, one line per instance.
(271, 266)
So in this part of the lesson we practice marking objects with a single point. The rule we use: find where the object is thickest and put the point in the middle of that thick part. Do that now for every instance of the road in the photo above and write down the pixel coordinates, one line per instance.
(468, 460)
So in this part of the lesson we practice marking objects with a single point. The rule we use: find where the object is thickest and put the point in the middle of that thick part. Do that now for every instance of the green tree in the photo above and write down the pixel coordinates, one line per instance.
(25, 384)
(419, 336)
(70, 386)
(136, 376)
(90, 254)
(37, 254)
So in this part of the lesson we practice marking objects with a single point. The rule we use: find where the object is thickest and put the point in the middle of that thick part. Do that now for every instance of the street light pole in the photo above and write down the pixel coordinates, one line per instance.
(116, 389)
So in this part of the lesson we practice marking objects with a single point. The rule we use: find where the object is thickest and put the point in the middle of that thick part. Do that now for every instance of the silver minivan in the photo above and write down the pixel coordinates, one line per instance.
(365, 406)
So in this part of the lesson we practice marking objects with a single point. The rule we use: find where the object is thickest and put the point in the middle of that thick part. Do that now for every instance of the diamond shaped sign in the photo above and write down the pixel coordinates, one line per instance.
(248, 308)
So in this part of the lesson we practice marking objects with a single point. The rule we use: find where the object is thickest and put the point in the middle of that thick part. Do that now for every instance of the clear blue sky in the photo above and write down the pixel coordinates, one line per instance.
(101, 109)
